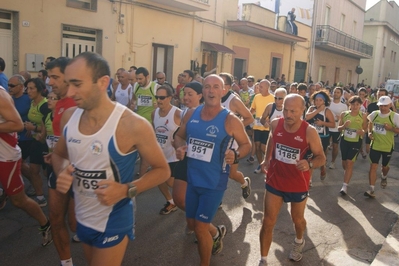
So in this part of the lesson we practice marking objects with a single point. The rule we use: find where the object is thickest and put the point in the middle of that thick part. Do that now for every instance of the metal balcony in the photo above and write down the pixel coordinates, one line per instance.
(187, 5)
(334, 40)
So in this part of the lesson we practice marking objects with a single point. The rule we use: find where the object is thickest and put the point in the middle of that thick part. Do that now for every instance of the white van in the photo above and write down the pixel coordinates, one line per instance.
(392, 86)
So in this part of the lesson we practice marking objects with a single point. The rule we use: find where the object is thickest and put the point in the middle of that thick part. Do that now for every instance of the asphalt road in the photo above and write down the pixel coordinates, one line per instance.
(341, 230)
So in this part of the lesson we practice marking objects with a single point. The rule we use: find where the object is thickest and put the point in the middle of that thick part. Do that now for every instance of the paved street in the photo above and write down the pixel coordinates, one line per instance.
(341, 230)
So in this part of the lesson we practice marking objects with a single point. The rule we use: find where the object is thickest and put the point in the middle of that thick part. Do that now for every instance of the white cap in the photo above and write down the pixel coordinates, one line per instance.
(384, 100)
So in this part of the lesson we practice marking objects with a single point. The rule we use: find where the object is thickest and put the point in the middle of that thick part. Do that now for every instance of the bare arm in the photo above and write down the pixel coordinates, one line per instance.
(212, 71)
(152, 118)
(114, 86)
(341, 124)
(180, 137)
(364, 126)
(177, 117)
(41, 136)
(314, 141)
(394, 107)
(370, 130)
(269, 146)
(133, 133)
(266, 114)
(235, 128)
(312, 112)
(60, 160)
(151, 152)
(243, 111)
(330, 118)
(13, 122)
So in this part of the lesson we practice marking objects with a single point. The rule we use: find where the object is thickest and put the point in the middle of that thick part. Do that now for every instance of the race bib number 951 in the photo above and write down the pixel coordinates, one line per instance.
(287, 154)
(200, 149)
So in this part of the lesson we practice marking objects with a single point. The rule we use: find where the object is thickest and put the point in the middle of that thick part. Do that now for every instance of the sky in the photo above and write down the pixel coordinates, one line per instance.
(370, 3)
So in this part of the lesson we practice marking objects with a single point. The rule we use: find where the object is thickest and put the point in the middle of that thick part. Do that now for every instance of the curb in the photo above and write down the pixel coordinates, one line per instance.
(389, 252)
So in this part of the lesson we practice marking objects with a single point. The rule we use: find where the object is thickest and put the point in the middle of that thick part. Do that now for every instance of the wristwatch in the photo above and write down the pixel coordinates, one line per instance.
(310, 165)
(236, 156)
(132, 190)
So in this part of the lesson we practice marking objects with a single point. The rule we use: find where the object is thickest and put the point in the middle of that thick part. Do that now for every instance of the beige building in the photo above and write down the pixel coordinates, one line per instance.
(161, 35)
(381, 29)
(338, 45)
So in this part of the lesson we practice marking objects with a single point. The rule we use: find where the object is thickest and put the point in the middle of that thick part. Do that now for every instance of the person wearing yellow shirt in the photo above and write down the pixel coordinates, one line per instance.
(261, 131)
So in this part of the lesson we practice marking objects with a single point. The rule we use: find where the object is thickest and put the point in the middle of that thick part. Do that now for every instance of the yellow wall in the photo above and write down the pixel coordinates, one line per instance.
(146, 23)
(44, 35)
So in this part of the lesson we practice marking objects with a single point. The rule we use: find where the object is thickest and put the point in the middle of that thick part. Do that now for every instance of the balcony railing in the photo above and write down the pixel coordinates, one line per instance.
(327, 35)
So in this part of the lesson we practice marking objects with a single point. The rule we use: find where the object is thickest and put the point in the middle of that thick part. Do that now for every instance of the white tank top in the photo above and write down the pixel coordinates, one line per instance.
(165, 127)
(276, 114)
(226, 104)
(337, 109)
(123, 96)
(9, 150)
(97, 157)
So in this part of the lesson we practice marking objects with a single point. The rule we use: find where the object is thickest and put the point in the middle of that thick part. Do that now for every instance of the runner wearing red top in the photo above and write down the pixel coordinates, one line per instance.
(10, 165)
(60, 203)
(62, 105)
(290, 140)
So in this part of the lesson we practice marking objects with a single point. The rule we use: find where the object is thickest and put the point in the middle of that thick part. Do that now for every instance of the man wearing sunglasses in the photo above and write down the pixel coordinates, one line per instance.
(251, 82)
(382, 127)
(274, 110)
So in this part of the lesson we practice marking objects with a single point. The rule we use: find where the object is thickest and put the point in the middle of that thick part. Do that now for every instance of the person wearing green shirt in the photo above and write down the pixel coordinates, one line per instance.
(383, 124)
(352, 125)
(38, 110)
(145, 91)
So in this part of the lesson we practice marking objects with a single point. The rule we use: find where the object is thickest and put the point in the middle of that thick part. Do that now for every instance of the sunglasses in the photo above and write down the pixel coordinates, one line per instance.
(161, 97)
(12, 85)
(278, 98)
(52, 98)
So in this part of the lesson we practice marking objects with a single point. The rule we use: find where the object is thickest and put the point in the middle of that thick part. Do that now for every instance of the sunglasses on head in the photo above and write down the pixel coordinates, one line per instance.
(161, 97)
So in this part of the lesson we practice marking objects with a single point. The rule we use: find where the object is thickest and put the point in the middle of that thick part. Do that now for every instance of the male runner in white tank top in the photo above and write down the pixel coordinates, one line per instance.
(96, 155)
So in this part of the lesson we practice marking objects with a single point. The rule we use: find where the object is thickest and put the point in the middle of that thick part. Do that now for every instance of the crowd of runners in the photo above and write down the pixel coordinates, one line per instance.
(84, 129)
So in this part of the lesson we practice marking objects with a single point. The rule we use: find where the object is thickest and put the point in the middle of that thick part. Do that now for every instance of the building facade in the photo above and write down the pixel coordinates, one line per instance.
(381, 29)
(337, 38)
(161, 35)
